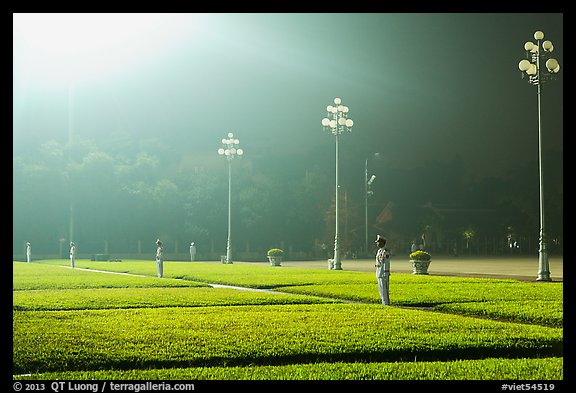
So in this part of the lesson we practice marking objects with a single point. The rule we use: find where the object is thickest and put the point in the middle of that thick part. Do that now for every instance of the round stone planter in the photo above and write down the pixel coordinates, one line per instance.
(420, 267)
(275, 261)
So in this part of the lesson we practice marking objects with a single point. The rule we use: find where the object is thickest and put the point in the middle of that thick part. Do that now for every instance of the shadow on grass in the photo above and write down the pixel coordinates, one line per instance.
(538, 350)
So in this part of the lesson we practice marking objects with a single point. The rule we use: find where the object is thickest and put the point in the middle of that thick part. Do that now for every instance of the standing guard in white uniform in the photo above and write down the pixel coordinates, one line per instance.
(159, 258)
(72, 254)
(383, 270)
(192, 252)
(28, 252)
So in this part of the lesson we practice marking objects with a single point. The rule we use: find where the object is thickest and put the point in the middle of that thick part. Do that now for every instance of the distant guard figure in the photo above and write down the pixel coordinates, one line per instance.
(192, 252)
(28, 252)
(72, 254)
(159, 258)
(383, 270)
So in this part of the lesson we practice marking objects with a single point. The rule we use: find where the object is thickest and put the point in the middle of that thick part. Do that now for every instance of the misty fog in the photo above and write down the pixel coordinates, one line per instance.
(116, 133)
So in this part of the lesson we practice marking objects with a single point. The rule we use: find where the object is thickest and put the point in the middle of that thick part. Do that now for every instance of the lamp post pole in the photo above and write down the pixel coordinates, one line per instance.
(337, 121)
(537, 53)
(70, 146)
(230, 150)
(367, 192)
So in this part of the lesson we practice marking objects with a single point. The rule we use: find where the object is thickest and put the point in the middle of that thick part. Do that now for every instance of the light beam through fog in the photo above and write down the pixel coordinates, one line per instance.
(119, 112)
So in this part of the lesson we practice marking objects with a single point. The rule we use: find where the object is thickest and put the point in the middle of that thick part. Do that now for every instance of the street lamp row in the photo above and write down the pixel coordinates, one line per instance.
(337, 122)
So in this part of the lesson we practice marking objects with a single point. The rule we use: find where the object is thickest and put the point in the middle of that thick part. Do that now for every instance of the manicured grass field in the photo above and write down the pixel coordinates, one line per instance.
(314, 324)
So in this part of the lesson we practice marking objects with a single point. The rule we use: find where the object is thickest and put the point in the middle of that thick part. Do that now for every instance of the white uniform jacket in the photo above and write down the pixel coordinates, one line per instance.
(382, 263)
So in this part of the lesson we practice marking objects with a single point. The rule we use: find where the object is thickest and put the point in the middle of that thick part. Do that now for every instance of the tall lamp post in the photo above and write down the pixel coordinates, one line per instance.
(230, 150)
(367, 192)
(337, 122)
(537, 75)
(70, 145)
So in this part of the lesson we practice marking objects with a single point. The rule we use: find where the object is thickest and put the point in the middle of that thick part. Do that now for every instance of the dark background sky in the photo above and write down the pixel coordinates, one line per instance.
(419, 86)
(438, 95)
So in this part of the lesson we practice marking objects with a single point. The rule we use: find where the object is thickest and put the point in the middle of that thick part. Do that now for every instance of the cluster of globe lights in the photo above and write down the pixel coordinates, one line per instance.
(339, 120)
(231, 149)
(533, 50)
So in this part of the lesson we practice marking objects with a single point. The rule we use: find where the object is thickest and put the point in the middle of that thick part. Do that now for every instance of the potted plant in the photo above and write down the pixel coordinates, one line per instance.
(420, 261)
(275, 256)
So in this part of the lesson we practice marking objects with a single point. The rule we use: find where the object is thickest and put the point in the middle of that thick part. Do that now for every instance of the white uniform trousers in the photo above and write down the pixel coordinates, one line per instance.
(383, 288)
(160, 267)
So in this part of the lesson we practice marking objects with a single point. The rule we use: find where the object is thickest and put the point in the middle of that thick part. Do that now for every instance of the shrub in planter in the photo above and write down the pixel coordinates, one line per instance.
(421, 256)
(420, 261)
(275, 252)
(275, 256)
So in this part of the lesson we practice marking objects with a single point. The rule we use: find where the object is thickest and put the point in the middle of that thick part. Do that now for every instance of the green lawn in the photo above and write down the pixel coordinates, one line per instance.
(77, 324)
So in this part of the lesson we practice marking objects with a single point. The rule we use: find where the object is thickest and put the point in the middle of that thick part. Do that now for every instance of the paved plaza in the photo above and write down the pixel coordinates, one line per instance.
(520, 268)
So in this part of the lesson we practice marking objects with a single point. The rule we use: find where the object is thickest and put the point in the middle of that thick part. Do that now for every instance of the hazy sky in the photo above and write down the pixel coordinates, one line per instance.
(417, 85)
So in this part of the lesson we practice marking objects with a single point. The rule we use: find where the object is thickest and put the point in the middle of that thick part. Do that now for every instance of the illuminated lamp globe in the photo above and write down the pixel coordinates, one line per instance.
(552, 65)
(349, 123)
(325, 122)
(538, 35)
(528, 46)
(524, 65)
(337, 101)
(531, 70)
(547, 46)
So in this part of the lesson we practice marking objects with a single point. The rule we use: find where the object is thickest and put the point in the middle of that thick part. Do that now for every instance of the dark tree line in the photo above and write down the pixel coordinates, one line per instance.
(125, 195)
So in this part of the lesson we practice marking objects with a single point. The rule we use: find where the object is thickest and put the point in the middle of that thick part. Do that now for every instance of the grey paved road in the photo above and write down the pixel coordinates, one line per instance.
(520, 268)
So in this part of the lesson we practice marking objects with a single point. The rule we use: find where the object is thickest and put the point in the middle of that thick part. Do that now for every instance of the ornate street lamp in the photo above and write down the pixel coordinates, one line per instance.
(537, 75)
(337, 121)
(230, 150)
